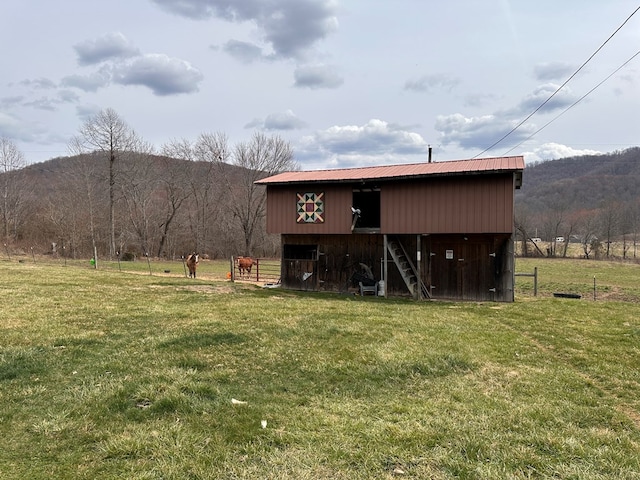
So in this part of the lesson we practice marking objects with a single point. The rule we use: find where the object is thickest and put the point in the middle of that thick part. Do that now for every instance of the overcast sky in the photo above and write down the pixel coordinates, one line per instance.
(346, 82)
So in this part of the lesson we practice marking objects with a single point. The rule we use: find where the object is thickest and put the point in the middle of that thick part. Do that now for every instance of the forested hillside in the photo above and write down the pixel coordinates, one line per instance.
(593, 200)
(117, 198)
(586, 182)
(166, 207)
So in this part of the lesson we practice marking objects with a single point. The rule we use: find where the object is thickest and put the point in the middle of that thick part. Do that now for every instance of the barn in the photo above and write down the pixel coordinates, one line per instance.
(433, 230)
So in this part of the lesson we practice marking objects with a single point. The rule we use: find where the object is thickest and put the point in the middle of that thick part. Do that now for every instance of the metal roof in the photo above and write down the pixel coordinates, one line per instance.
(397, 172)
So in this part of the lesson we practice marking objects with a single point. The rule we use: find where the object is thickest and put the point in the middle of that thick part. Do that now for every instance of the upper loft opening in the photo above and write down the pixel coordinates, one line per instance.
(366, 202)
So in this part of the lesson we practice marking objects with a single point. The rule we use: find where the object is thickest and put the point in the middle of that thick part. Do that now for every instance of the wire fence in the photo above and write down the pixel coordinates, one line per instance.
(265, 270)
(590, 280)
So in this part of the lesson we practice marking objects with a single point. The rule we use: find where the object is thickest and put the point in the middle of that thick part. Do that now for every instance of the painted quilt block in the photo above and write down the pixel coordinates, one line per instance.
(310, 207)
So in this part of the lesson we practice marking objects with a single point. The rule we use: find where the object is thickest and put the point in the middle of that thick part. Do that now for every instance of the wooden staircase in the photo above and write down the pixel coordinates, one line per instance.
(407, 269)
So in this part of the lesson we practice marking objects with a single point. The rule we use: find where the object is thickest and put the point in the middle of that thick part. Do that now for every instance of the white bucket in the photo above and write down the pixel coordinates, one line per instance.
(381, 288)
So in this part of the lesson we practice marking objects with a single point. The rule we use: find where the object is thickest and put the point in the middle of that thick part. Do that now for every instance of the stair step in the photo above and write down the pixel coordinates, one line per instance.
(406, 270)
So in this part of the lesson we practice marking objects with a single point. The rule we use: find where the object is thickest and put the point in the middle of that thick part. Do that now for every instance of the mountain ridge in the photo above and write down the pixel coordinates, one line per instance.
(582, 183)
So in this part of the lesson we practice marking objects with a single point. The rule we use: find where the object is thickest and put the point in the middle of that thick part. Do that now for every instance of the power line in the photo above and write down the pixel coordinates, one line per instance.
(560, 87)
(574, 103)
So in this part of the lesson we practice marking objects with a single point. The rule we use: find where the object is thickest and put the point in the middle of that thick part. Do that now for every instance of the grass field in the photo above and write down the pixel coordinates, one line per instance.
(126, 374)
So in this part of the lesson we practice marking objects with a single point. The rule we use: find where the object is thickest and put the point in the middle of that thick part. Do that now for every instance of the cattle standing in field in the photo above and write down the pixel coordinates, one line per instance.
(244, 265)
(192, 264)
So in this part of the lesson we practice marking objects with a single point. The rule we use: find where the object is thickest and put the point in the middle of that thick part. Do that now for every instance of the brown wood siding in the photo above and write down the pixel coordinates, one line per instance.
(337, 258)
(473, 204)
(464, 204)
(453, 267)
(281, 209)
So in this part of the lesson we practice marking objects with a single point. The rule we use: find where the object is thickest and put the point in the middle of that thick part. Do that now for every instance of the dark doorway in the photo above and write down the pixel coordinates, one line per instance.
(367, 201)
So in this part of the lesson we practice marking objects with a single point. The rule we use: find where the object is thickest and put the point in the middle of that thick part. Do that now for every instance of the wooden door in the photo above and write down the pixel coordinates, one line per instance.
(462, 269)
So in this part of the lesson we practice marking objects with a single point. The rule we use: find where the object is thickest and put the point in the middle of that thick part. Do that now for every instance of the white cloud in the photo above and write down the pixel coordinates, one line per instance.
(108, 47)
(296, 25)
(358, 145)
(283, 121)
(552, 71)
(317, 76)
(160, 73)
(478, 133)
(290, 27)
(541, 94)
(245, 52)
(88, 83)
(552, 151)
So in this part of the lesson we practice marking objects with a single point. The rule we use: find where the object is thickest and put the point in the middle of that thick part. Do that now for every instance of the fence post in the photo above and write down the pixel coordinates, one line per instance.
(535, 281)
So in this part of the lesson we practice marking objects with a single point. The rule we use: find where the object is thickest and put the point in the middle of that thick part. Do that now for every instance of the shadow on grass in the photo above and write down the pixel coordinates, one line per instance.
(202, 340)
(22, 363)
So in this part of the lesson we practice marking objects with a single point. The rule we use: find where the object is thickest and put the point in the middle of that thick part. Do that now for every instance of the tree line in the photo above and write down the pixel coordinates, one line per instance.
(117, 196)
(592, 202)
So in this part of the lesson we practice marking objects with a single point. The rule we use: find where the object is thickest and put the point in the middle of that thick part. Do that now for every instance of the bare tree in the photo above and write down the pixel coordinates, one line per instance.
(175, 184)
(586, 227)
(634, 215)
(261, 157)
(212, 150)
(199, 187)
(523, 228)
(197, 183)
(109, 134)
(609, 219)
(627, 226)
(554, 221)
(84, 186)
(11, 190)
(138, 191)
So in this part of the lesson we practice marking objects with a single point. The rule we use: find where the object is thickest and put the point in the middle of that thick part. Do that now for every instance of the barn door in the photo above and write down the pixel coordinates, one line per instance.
(443, 270)
(474, 271)
(462, 269)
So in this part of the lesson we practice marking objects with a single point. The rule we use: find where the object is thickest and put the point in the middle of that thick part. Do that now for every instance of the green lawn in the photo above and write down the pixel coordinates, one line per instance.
(613, 280)
(110, 374)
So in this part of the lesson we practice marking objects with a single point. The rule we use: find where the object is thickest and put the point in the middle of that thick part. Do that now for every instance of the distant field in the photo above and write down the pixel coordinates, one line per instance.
(613, 280)
(138, 374)
(617, 250)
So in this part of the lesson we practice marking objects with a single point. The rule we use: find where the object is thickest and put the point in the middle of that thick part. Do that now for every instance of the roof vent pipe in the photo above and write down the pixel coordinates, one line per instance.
(430, 153)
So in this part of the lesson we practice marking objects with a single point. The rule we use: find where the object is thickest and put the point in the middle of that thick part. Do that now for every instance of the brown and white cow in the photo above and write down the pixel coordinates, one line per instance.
(192, 264)
(244, 265)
